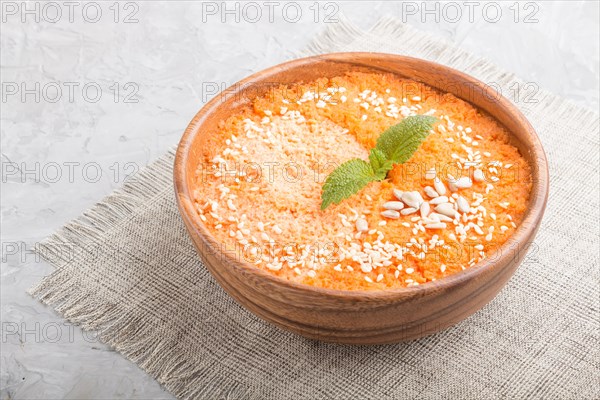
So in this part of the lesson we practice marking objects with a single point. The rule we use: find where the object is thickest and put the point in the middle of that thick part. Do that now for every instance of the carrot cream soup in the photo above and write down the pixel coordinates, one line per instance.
(259, 186)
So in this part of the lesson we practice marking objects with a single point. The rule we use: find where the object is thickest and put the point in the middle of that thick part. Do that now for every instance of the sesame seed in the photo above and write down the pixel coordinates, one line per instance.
(379, 277)
(366, 268)
(504, 204)
(362, 225)
(274, 267)
(368, 279)
(311, 273)
(230, 205)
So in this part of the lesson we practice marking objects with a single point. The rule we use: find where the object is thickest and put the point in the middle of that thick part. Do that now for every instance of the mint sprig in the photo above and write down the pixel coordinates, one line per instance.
(401, 141)
(395, 145)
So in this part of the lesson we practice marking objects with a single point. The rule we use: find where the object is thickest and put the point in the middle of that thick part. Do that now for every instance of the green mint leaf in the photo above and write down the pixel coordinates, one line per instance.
(399, 142)
(380, 164)
(346, 180)
(395, 145)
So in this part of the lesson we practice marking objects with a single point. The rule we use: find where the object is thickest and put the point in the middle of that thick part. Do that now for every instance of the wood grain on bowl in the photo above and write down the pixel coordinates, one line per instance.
(360, 317)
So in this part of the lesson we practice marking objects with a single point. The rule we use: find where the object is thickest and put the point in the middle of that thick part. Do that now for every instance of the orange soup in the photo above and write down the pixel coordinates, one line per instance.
(460, 196)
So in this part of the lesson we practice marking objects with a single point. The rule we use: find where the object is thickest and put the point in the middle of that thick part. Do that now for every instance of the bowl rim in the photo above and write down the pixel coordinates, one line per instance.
(525, 230)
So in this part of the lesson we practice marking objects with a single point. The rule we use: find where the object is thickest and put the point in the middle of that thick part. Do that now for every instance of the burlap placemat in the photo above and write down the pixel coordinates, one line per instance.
(133, 275)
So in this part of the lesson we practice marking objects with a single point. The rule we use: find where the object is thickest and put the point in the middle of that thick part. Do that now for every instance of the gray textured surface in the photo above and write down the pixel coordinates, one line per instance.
(169, 54)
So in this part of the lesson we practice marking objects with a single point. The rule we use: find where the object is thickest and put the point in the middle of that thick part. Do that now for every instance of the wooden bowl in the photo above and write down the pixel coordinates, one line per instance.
(361, 317)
